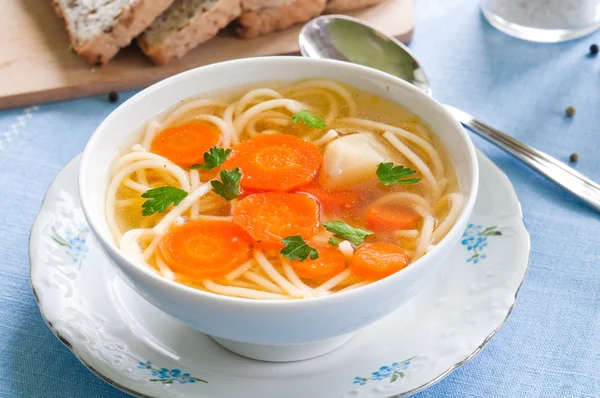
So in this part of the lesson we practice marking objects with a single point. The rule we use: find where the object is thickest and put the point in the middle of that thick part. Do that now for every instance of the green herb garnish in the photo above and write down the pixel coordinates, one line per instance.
(297, 249)
(309, 119)
(215, 156)
(334, 241)
(228, 187)
(388, 174)
(159, 199)
(347, 232)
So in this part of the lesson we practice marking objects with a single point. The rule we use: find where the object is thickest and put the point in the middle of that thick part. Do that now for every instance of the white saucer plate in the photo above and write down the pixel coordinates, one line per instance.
(140, 350)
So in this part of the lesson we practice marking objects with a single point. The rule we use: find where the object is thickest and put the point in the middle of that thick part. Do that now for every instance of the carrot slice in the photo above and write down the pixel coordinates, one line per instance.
(275, 162)
(271, 216)
(333, 200)
(186, 144)
(377, 260)
(330, 263)
(204, 248)
(390, 218)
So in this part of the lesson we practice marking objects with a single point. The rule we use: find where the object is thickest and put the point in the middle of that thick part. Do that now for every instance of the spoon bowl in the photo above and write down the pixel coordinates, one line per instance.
(347, 39)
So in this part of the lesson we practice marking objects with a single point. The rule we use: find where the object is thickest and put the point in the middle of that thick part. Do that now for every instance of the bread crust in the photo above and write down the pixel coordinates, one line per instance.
(131, 22)
(197, 30)
(257, 23)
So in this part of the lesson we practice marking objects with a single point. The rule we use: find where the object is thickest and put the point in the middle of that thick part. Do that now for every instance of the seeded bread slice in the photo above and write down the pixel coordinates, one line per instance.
(261, 22)
(184, 25)
(335, 6)
(99, 28)
(255, 5)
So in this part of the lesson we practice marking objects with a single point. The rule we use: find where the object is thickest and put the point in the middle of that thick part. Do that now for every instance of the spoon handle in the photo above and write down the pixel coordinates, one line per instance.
(556, 171)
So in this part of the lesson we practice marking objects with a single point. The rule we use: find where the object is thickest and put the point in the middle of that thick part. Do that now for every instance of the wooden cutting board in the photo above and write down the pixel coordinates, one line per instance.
(37, 65)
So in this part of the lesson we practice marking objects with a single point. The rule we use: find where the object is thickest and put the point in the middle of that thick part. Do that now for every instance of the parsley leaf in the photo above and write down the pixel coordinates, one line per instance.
(228, 187)
(388, 174)
(346, 232)
(297, 249)
(213, 158)
(159, 199)
(309, 119)
(334, 241)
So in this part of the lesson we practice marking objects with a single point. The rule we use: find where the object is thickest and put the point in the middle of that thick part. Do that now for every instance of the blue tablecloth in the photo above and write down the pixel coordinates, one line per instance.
(550, 346)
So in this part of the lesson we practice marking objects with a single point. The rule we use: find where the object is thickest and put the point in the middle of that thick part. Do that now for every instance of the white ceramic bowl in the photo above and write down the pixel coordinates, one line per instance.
(272, 330)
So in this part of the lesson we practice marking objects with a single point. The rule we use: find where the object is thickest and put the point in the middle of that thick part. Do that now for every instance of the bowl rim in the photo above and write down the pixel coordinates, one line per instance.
(109, 245)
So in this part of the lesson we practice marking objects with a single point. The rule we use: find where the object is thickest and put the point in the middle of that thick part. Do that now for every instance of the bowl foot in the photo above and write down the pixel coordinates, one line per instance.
(284, 353)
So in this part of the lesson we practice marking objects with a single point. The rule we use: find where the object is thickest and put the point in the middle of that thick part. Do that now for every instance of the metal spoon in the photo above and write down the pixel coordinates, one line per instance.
(347, 39)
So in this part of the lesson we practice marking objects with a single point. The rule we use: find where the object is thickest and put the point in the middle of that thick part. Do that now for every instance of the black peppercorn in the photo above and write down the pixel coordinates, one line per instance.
(594, 49)
(113, 96)
(574, 158)
(570, 111)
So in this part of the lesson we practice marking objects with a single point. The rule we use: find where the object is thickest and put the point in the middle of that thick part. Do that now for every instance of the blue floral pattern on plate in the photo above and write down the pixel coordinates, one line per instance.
(74, 241)
(392, 372)
(168, 376)
(475, 239)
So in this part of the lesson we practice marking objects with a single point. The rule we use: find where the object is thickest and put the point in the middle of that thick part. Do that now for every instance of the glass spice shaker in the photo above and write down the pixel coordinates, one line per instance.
(548, 21)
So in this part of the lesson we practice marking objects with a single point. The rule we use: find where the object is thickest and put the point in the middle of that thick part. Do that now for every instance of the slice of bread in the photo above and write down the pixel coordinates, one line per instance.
(184, 25)
(99, 28)
(267, 20)
(255, 5)
(335, 6)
